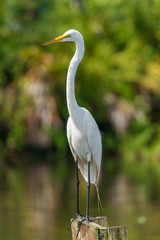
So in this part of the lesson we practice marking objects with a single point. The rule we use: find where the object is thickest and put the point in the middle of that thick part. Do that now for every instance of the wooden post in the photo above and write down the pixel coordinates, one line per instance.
(98, 230)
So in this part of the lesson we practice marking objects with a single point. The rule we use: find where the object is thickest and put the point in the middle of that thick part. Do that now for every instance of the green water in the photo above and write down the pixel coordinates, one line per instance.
(37, 205)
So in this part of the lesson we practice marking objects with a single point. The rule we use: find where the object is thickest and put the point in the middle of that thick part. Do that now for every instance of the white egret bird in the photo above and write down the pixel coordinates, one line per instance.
(82, 131)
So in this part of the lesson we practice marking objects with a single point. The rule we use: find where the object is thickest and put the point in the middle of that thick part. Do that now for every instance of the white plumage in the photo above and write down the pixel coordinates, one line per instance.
(85, 143)
(82, 131)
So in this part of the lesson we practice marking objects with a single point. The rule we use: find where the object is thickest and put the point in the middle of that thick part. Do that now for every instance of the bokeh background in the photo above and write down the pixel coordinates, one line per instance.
(118, 81)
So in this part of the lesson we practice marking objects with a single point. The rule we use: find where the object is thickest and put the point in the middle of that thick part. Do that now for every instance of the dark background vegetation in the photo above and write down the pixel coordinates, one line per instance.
(118, 81)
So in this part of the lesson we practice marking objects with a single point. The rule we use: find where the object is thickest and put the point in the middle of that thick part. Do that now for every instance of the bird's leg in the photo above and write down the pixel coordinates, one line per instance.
(77, 187)
(88, 192)
(77, 213)
(87, 209)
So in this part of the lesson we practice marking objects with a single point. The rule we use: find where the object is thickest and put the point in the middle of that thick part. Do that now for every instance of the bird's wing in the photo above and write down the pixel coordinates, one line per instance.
(96, 150)
(94, 142)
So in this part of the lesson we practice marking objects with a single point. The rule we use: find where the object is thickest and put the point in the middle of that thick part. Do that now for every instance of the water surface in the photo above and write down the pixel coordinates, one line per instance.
(35, 204)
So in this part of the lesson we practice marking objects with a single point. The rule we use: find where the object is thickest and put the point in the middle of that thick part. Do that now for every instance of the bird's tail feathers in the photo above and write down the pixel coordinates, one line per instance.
(99, 200)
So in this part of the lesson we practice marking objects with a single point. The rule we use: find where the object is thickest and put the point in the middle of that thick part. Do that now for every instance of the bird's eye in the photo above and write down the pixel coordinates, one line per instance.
(66, 36)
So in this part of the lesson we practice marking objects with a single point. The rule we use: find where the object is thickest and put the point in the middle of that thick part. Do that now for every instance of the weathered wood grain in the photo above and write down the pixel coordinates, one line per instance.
(98, 230)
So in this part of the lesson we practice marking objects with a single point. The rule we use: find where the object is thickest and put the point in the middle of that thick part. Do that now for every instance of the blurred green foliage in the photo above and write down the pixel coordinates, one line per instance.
(118, 79)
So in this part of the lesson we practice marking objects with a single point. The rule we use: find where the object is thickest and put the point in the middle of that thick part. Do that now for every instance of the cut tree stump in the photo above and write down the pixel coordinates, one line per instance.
(98, 230)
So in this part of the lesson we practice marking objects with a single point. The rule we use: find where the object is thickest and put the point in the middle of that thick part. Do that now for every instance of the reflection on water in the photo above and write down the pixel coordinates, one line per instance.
(36, 205)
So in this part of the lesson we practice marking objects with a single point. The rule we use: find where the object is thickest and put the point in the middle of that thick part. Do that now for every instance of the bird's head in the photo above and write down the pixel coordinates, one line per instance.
(69, 36)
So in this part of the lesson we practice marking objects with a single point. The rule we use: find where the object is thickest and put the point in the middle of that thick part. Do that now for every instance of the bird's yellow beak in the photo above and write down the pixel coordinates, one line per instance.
(58, 39)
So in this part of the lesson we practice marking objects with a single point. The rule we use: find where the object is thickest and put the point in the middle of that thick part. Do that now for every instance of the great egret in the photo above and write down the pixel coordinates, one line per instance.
(82, 131)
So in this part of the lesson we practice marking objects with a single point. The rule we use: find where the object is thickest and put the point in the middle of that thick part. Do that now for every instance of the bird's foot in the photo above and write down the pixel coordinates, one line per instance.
(78, 215)
(85, 219)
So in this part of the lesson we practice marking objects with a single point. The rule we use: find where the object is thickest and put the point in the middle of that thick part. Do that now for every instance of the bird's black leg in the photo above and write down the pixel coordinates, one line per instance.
(87, 209)
(77, 213)
(77, 187)
(88, 192)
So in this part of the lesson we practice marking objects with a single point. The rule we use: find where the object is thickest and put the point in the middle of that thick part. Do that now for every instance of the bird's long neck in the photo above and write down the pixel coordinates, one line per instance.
(73, 107)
